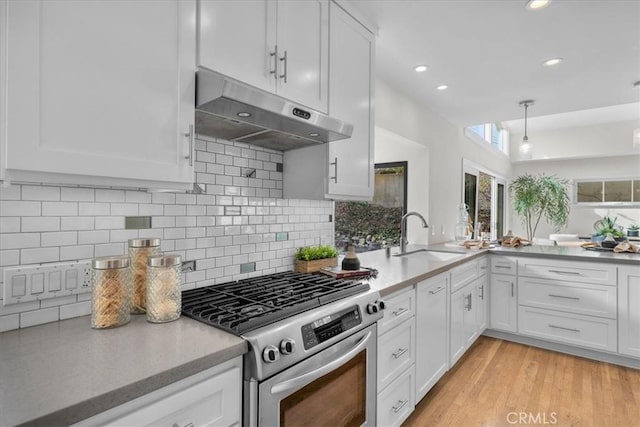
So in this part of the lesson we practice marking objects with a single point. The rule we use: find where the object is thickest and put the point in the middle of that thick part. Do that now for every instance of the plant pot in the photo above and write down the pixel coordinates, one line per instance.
(315, 265)
(633, 233)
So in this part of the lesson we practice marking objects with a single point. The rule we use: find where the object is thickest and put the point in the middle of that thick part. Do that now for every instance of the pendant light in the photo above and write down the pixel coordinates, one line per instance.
(525, 145)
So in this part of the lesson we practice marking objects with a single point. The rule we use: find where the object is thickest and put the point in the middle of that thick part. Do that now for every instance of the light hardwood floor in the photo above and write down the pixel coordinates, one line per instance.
(500, 383)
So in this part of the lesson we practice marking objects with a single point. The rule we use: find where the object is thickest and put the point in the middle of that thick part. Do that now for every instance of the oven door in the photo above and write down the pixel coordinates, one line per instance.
(336, 387)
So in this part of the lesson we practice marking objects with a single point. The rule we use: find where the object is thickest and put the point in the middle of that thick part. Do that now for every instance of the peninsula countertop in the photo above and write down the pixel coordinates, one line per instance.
(60, 373)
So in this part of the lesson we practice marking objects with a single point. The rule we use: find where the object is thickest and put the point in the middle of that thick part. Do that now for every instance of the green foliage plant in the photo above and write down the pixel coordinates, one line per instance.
(310, 253)
(634, 227)
(541, 196)
(608, 225)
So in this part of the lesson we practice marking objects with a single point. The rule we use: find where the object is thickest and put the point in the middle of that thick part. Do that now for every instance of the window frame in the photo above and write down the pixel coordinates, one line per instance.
(602, 181)
(405, 165)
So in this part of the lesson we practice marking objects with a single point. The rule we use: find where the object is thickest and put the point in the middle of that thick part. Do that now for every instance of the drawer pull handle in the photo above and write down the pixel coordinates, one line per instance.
(396, 409)
(569, 273)
(186, 425)
(512, 290)
(482, 292)
(440, 288)
(562, 296)
(484, 267)
(502, 266)
(400, 311)
(400, 352)
(563, 328)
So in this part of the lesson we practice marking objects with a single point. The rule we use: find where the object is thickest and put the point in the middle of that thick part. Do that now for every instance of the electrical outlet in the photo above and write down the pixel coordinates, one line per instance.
(43, 281)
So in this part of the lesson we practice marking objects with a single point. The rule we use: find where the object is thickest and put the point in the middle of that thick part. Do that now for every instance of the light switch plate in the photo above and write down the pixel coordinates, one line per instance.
(44, 281)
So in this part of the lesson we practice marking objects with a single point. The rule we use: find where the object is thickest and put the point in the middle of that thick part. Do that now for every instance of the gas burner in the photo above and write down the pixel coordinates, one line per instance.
(248, 304)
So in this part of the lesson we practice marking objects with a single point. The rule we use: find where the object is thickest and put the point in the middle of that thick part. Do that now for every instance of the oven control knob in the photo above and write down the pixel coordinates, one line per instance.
(372, 308)
(382, 304)
(270, 354)
(287, 346)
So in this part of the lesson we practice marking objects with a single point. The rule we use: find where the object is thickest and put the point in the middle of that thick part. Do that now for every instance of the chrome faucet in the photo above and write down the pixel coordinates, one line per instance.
(403, 229)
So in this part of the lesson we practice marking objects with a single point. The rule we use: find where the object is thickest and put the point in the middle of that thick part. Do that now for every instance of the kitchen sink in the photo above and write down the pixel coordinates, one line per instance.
(433, 255)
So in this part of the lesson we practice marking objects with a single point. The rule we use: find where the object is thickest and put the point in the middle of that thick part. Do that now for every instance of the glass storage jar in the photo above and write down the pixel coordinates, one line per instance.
(139, 252)
(111, 292)
(164, 300)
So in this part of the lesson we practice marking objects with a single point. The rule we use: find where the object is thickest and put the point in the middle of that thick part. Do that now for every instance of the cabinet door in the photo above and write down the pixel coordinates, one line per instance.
(463, 321)
(302, 34)
(100, 89)
(351, 51)
(629, 311)
(482, 292)
(432, 353)
(504, 307)
(236, 38)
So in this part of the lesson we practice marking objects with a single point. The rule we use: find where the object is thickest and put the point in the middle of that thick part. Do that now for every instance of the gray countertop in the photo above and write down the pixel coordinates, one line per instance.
(63, 372)
(397, 272)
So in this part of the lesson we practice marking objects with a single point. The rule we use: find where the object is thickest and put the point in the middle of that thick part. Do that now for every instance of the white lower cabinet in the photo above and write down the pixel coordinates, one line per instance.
(568, 328)
(396, 357)
(432, 332)
(504, 304)
(464, 325)
(629, 310)
(482, 312)
(396, 402)
(209, 398)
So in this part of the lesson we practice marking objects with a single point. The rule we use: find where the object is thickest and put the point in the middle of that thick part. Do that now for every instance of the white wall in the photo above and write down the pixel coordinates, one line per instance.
(582, 218)
(447, 146)
(609, 139)
(391, 147)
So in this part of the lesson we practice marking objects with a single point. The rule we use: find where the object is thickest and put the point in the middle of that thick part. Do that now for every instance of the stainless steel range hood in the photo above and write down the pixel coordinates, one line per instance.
(228, 109)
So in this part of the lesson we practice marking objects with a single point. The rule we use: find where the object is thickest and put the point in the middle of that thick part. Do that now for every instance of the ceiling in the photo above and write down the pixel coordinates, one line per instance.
(490, 54)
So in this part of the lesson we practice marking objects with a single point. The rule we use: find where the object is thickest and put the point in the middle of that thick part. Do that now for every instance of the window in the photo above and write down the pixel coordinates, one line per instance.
(484, 194)
(615, 191)
(492, 133)
(369, 225)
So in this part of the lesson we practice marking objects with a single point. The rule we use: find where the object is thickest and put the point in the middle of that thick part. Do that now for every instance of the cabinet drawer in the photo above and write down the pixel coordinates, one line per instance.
(462, 274)
(585, 272)
(573, 297)
(400, 306)
(483, 265)
(567, 328)
(504, 265)
(395, 352)
(397, 401)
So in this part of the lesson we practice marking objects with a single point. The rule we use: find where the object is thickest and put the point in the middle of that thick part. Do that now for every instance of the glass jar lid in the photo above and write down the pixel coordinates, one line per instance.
(144, 242)
(110, 262)
(165, 260)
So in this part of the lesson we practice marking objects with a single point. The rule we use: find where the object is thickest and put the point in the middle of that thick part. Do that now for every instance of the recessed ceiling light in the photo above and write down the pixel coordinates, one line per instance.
(421, 68)
(442, 87)
(243, 114)
(537, 4)
(314, 134)
(551, 62)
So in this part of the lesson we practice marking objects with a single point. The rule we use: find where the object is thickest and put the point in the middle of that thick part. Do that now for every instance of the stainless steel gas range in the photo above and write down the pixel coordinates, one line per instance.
(312, 357)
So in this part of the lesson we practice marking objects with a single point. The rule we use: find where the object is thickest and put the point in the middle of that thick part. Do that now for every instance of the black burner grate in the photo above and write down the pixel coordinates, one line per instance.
(248, 304)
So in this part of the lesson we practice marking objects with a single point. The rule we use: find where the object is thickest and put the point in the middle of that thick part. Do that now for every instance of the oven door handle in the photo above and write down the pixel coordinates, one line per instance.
(317, 373)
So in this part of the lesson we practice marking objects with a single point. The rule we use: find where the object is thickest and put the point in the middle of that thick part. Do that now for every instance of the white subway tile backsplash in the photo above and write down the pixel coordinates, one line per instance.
(33, 224)
(68, 253)
(233, 224)
(76, 223)
(19, 240)
(40, 192)
(59, 208)
(109, 195)
(93, 209)
(59, 238)
(9, 224)
(38, 317)
(20, 208)
(77, 194)
(92, 237)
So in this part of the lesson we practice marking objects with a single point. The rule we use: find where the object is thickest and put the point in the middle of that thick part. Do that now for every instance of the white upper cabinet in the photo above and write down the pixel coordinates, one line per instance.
(278, 46)
(341, 170)
(98, 92)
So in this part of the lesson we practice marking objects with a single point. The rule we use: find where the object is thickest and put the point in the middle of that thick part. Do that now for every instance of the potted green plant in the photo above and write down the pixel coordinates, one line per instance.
(310, 259)
(540, 196)
(607, 226)
(633, 230)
